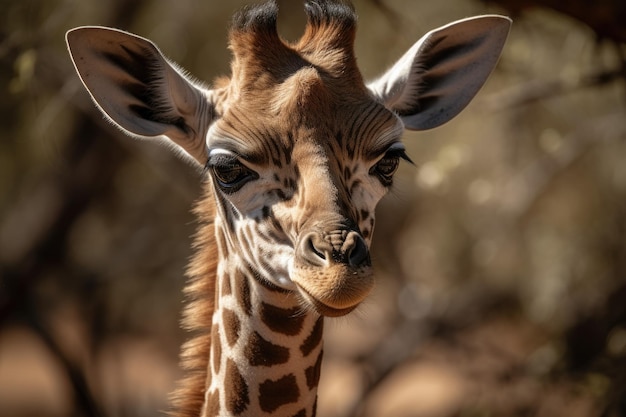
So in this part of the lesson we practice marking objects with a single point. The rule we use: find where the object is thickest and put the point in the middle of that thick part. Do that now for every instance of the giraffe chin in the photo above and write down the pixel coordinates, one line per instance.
(335, 294)
(324, 309)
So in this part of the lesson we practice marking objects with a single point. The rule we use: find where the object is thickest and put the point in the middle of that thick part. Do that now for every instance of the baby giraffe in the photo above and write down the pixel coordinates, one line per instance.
(297, 150)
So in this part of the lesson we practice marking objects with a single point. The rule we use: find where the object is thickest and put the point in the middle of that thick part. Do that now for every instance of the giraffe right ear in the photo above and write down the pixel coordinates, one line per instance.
(139, 90)
(439, 75)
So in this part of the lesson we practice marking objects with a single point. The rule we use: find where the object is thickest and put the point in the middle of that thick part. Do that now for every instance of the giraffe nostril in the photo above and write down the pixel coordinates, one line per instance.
(357, 253)
(314, 249)
(347, 247)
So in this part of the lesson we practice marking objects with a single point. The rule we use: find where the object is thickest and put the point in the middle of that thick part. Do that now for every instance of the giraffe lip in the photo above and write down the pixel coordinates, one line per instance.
(322, 308)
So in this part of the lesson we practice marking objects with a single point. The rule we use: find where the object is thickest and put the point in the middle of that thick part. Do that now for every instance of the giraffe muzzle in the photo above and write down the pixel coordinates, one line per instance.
(339, 247)
(333, 271)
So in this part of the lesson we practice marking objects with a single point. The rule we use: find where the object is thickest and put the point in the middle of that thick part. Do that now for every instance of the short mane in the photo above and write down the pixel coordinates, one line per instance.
(200, 291)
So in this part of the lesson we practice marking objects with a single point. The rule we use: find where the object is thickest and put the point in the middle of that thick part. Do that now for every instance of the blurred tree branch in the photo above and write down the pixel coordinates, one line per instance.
(538, 89)
(605, 17)
(522, 191)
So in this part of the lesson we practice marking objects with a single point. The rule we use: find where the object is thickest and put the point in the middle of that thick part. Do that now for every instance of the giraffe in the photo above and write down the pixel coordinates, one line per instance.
(296, 150)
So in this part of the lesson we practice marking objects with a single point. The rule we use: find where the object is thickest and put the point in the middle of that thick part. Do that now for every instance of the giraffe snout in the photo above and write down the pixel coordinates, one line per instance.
(332, 271)
(346, 247)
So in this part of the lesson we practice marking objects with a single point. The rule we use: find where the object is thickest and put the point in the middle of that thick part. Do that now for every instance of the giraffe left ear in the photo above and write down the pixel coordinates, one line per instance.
(442, 72)
(139, 90)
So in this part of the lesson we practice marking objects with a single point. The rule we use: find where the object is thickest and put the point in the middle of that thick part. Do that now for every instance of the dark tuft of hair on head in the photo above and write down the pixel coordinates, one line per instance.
(322, 12)
(257, 17)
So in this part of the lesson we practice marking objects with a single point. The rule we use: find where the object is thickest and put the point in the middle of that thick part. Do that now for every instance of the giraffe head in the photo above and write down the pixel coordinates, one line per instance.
(298, 148)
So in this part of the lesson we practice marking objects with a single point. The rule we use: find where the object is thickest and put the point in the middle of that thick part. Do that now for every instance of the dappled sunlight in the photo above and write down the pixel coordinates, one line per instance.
(500, 257)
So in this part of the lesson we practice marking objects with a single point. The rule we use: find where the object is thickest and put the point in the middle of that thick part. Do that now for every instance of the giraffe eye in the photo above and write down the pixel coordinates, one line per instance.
(229, 173)
(385, 168)
(388, 165)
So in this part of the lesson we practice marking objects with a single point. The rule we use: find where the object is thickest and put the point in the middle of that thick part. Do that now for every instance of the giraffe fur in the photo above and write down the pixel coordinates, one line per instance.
(296, 150)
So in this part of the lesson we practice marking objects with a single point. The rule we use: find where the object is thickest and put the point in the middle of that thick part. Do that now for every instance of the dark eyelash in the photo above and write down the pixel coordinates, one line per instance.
(218, 160)
(399, 153)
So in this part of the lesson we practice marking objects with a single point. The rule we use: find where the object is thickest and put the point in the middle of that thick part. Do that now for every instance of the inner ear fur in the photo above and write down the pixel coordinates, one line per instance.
(139, 90)
(441, 73)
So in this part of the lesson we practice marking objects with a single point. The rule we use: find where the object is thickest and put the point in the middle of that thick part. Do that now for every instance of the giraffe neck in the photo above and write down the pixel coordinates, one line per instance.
(266, 352)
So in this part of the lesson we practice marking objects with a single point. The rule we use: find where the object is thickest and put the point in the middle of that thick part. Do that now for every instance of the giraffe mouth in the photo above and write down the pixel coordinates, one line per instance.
(323, 308)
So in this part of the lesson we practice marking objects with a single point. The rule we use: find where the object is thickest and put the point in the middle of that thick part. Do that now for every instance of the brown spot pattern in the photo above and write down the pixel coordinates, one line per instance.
(273, 394)
(232, 326)
(226, 286)
(285, 321)
(313, 372)
(314, 339)
(216, 349)
(261, 352)
(244, 294)
(235, 389)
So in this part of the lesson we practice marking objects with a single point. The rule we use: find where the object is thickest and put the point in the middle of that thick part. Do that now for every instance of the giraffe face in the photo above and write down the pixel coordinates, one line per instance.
(298, 148)
(297, 187)
(299, 157)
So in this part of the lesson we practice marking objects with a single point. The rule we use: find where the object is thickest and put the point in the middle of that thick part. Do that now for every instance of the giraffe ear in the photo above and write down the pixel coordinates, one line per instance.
(136, 87)
(442, 72)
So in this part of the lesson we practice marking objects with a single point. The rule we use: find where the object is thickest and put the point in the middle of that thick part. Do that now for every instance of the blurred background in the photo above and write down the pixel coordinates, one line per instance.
(500, 256)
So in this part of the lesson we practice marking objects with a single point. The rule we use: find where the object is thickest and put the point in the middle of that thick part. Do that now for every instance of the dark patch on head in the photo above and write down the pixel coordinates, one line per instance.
(277, 233)
(339, 138)
(313, 372)
(235, 389)
(346, 173)
(281, 320)
(281, 195)
(364, 214)
(314, 339)
(266, 211)
(354, 186)
(296, 172)
(232, 326)
(351, 148)
(292, 184)
(261, 352)
(274, 394)
(290, 144)
(278, 163)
